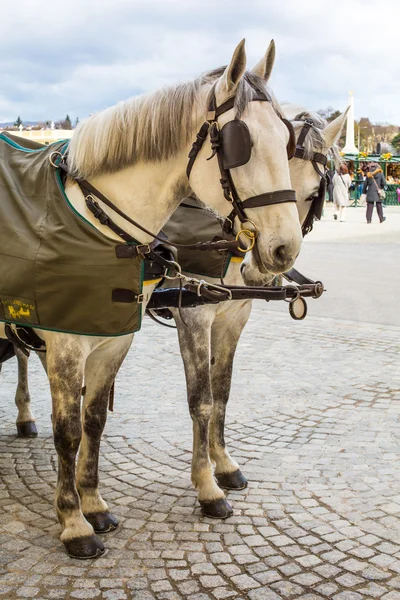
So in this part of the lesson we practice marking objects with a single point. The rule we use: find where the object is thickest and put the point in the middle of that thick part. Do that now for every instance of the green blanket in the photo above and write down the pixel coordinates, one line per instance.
(57, 271)
(190, 223)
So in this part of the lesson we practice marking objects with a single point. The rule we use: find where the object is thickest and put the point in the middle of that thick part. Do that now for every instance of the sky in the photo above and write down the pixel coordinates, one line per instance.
(80, 56)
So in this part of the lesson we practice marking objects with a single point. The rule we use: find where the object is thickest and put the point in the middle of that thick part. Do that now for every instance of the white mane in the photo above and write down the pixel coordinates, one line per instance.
(152, 127)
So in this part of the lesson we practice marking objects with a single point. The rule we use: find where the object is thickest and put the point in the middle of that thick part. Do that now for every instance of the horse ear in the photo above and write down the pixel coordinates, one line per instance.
(332, 131)
(264, 67)
(235, 70)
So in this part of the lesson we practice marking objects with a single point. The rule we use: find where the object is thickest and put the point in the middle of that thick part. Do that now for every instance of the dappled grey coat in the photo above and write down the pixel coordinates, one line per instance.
(370, 188)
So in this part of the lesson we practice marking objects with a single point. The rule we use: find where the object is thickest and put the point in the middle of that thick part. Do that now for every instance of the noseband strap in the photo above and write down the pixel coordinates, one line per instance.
(235, 135)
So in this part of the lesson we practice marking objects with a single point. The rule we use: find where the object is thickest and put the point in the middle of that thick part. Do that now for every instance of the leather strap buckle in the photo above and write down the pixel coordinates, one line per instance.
(143, 249)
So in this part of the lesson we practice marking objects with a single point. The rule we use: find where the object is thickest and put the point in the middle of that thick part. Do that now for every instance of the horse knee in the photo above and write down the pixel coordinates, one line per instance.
(67, 436)
(201, 412)
(93, 423)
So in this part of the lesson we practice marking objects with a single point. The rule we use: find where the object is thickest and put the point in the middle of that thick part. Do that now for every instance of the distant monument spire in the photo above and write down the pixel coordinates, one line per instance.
(350, 147)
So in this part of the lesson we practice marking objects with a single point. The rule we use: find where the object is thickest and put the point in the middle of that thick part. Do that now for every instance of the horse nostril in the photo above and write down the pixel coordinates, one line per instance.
(281, 253)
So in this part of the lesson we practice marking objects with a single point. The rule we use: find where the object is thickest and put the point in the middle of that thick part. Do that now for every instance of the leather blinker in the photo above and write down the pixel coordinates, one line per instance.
(235, 144)
(291, 146)
(319, 204)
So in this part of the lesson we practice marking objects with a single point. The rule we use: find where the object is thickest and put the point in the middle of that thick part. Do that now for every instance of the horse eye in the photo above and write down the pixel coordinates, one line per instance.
(313, 195)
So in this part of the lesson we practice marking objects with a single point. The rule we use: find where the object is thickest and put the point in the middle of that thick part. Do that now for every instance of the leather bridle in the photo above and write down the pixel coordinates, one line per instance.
(211, 127)
(317, 158)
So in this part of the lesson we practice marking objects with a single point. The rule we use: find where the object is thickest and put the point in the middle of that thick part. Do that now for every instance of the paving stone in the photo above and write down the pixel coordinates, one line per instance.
(27, 592)
(328, 571)
(327, 589)
(188, 587)
(223, 592)
(348, 580)
(307, 579)
(89, 593)
(347, 596)
(244, 582)
(211, 581)
(287, 589)
(263, 594)
(372, 590)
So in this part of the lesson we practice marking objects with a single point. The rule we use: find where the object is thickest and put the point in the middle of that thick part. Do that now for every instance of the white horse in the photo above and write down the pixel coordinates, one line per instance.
(209, 334)
(223, 325)
(136, 154)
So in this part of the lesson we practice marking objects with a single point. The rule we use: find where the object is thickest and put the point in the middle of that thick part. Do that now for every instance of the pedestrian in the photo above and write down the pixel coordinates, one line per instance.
(360, 182)
(373, 188)
(329, 178)
(341, 185)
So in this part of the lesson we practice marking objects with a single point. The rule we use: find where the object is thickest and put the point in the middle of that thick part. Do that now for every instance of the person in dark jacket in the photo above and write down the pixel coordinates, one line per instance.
(374, 182)
(329, 177)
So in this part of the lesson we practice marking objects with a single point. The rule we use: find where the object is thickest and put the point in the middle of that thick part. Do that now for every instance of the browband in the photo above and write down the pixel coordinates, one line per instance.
(230, 103)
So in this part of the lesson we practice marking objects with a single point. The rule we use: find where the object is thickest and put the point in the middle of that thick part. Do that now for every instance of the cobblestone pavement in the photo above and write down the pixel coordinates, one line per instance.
(314, 424)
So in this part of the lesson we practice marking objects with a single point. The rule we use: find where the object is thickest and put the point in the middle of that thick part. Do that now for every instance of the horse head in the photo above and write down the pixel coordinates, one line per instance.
(250, 143)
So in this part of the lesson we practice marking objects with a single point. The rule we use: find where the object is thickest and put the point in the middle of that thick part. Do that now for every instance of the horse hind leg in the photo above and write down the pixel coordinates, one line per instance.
(65, 365)
(101, 369)
(26, 426)
(194, 340)
(225, 334)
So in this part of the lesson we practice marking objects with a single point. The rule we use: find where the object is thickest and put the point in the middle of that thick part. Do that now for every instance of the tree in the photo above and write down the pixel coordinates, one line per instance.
(396, 142)
(330, 113)
(18, 122)
(67, 122)
(76, 122)
(63, 123)
(334, 115)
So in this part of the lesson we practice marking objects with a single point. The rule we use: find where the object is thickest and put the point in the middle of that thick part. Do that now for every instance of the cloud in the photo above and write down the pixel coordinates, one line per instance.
(81, 57)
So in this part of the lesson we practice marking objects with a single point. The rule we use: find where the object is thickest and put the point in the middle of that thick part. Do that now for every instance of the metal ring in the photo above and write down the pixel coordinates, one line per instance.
(251, 223)
(319, 289)
(51, 158)
(250, 235)
(178, 268)
(298, 294)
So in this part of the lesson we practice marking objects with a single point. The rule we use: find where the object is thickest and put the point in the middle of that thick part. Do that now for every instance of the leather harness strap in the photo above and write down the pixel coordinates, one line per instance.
(189, 296)
(90, 192)
(271, 198)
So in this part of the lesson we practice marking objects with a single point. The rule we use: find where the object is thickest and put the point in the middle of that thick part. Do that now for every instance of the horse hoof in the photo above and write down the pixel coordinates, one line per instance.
(102, 522)
(216, 509)
(27, 430)
(84, 547)
(232, 481)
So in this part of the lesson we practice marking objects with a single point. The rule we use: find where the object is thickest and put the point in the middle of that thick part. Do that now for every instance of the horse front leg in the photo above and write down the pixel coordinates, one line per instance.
(26, 426)
(66, 358)
(194, 339)
(101, 369)
(225, 334)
